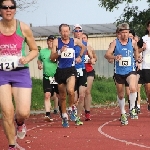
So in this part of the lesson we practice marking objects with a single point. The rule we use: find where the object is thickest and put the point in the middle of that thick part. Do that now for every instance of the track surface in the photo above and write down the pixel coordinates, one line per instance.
(103, 132)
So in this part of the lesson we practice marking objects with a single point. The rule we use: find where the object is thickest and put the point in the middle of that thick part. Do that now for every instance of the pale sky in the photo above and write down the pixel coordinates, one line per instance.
(55, 12)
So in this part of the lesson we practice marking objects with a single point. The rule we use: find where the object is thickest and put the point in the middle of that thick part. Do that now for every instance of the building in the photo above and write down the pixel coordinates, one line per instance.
(100, 36)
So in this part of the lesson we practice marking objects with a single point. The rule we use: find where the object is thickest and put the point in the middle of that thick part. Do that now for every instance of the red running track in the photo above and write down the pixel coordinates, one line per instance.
(103, 132)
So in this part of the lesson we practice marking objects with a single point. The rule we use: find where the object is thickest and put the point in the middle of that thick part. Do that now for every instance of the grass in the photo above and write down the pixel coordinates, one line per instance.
(103, 92)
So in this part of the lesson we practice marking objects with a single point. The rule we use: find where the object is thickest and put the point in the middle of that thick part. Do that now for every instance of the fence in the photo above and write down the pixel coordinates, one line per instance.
(102, 67)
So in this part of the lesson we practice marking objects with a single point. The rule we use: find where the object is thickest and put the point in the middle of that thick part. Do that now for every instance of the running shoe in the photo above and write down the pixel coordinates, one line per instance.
(133, 114)
(65, 123)
(87, 117)
(10, 148)
(21, 131)
(55, 112)
(138, 111)
(48, 118)
(72, 115)
(78, 122)
(123, 119)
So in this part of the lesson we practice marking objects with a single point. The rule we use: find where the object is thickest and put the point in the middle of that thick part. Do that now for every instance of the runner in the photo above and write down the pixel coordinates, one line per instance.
(63, 51)
(145, 49)
(90, 78)
(81, 81)
(49, 69)
(124, 69)
(14, 71)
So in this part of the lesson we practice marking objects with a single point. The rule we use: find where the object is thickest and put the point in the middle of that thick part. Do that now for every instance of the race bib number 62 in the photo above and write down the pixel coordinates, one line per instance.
(8, 63)
(68, 53)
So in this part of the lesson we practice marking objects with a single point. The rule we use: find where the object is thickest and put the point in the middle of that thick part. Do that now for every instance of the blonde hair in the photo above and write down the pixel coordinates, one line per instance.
(123, 26)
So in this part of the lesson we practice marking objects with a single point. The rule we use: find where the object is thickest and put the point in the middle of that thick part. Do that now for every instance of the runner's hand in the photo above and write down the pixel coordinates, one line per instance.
(118, 57)
(64, 48)
(40, 66)
(23, 60)
(78, 59)
(92, 61)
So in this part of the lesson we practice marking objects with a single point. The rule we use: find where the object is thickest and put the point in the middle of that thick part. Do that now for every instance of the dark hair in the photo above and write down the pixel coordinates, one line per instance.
(86, 35)
(63, 25)
(52, 37)
(132, 32)
(147, 24)
(13, 1)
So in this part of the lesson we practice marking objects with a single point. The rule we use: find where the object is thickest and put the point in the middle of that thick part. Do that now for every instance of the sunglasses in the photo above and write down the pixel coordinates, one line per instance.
(6, 7)
(77, 30)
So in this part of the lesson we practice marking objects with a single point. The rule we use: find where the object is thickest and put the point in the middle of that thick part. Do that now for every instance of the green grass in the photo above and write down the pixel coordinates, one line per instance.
(103, 92)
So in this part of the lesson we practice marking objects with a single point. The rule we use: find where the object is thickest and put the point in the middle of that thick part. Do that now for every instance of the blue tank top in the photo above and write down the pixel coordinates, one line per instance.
(127, 63)
(66, 59)
(77, 53)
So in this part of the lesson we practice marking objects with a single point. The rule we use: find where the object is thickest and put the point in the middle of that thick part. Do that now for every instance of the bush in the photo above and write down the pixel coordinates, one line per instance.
(103, 92)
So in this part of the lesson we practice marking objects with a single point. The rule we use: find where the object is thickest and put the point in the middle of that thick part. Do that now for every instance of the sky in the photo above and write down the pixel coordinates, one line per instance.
(55, 12)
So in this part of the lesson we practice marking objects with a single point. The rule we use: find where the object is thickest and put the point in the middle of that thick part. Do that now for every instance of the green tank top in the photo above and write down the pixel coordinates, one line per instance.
(49, 67)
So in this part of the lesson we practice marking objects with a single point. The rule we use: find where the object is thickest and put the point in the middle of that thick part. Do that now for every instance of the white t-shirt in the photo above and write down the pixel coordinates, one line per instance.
(146, 53)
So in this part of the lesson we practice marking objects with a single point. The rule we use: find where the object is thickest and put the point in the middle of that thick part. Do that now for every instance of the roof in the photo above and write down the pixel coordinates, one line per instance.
(91, 29)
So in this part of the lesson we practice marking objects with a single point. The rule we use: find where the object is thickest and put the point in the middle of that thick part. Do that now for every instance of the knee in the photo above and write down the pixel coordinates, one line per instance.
(47, 96)
(133, 90)
(120, 96)
(88, 92)
(71, 92)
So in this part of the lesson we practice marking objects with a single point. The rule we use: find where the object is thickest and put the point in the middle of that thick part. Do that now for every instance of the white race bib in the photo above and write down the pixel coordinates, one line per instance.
(125, 61)
(86, 59)
(147, 58)
(8, 63)
(52, 80)
(68, 53)
(79, 72)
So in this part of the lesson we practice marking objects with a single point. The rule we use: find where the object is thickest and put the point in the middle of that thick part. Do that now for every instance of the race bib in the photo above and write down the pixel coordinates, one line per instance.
(125, 61)
(52, 80)
(79, 72)
(8, 63)
(68, 53)
(147, 58)
(86, 59)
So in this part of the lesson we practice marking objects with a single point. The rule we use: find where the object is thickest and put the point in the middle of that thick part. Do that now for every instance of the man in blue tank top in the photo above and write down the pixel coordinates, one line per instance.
(81, 81)
(122, 50)
(63, 51)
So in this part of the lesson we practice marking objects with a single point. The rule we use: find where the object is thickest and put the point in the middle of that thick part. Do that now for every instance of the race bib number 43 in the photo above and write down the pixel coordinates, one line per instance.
(79, 72)
(68, 53)
(52, 80)
(125, 61)
(8, 63)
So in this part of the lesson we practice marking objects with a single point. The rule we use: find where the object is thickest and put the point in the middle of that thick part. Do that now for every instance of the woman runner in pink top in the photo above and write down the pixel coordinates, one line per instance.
(14, 71)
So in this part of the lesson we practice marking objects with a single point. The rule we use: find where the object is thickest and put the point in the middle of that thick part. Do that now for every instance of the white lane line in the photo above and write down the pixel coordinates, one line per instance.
(113, 138)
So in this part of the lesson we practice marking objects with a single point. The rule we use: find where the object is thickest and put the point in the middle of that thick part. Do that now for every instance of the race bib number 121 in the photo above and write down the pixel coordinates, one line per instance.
(8, 63)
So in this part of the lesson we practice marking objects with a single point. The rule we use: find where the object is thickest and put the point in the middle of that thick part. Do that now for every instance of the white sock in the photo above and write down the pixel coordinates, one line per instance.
(121, 105)
(70, 108)
(132, 98)
(64, 115)
(138, 105)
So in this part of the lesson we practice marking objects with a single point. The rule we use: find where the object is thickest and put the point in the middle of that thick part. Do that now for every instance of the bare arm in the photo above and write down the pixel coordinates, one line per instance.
(80, 44)
(54, 54)
(109, 52)
(92, 51)
(30, 41)
(136, 50)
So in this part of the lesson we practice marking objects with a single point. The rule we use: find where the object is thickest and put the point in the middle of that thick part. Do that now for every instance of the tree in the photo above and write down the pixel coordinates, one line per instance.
(23, 4)
(136, 19)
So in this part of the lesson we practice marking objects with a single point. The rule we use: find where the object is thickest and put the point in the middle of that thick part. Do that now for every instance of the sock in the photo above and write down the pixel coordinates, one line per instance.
(132, 98)
(121, 105)
(70, 108)
(47, 113)
(138, 106)
(12, 146)
(64, 115)
(19, 123)
(87, 112)
(129, 104)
